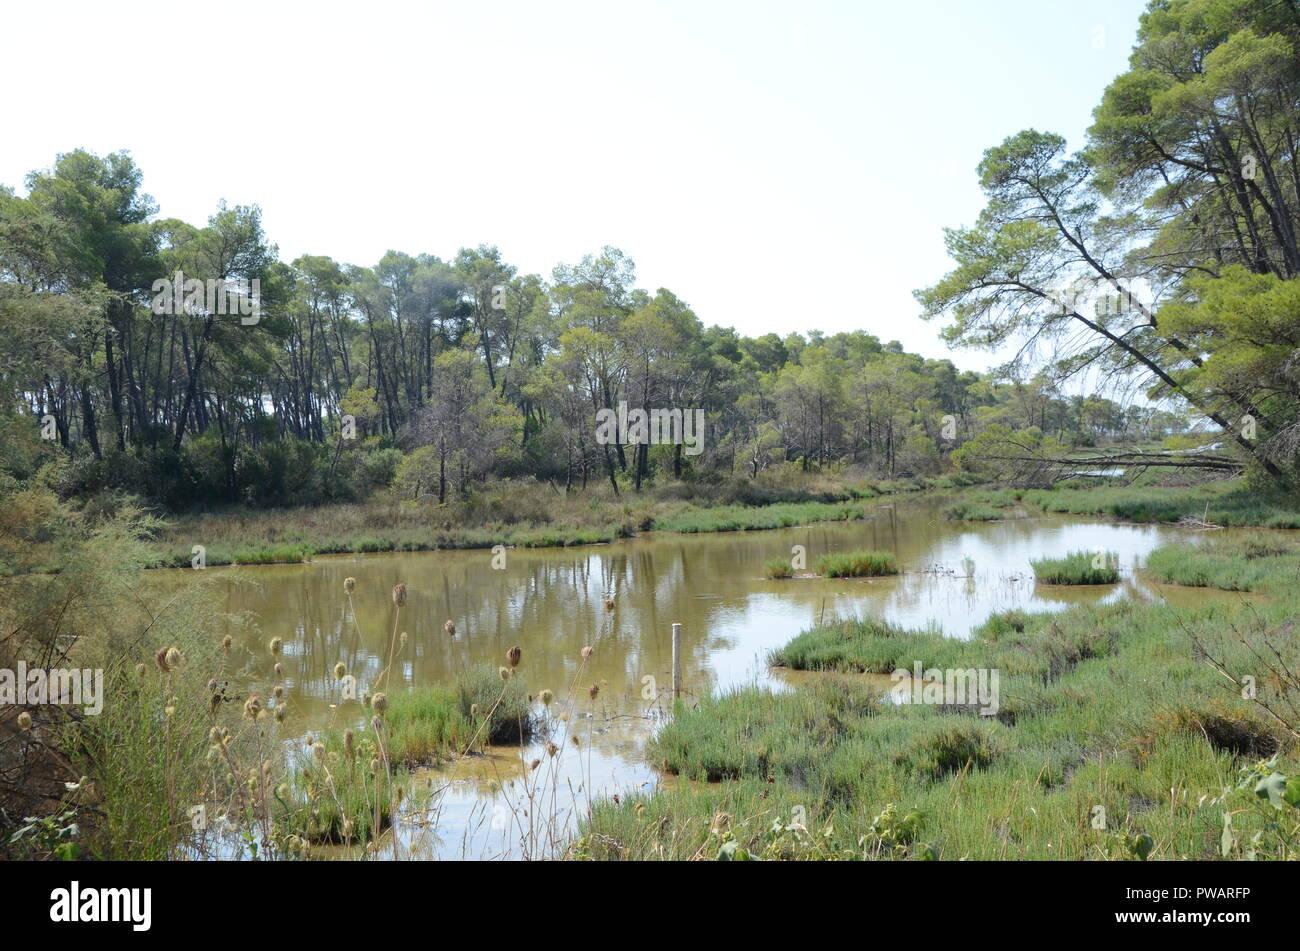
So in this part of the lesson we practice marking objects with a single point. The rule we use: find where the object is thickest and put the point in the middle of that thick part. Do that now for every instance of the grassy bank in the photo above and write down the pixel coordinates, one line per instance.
(968, 511)
(1228, 503)
(1114, 736)
(1235, 564)
(525, 514)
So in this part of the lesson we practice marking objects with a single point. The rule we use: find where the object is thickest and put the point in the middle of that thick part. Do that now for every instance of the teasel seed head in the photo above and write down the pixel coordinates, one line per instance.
(449, 627)
(24, 721)
(473, 711)
(279, 670)
(379, 703)
(587, 652)
(277, 645)
(593, 691)
(402, 640)
(160, 658)
(504, 672)
(279, 714)
(227, 642)
(318, 752)
(278, 691)
(340, 670)
(349, 584)
(140, 669)
(349, 742)
(534, 764)
(513, 655)
(377, 724)
(551, 748)
(399, 594)
(547, 698)
(252, 706)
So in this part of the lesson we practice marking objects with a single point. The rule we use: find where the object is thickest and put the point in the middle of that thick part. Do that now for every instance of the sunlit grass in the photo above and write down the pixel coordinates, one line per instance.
(778, 568)
(973, 512)
(857, 564)
(1080, 567)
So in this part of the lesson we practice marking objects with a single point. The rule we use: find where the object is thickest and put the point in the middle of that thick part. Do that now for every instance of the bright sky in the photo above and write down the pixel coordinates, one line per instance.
(780, 166)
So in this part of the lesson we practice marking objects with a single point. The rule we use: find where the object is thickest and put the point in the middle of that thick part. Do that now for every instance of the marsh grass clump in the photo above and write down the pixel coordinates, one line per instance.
(973, 512)
(426, 725)
(1080, 567)
(868, 645)
(1232, 731)
(778, 568)
(1013, 621)
(336, 800)
(948, 749)
(752, 733)
(502, 701)
(857, 564)
(1246, 564)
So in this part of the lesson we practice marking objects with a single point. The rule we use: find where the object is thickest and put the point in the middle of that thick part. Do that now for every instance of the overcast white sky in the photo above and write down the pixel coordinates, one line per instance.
(780, 166)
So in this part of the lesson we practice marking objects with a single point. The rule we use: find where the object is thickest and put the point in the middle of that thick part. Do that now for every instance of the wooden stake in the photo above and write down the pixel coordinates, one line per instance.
(677, 660)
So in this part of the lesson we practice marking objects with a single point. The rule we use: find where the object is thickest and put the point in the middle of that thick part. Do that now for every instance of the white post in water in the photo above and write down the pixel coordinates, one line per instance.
(677, 660)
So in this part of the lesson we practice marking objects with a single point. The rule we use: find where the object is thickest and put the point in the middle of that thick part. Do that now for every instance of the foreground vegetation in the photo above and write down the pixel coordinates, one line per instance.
(1116, 735)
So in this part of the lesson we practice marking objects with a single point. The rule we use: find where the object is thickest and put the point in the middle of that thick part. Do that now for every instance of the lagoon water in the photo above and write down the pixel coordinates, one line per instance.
(552, 602)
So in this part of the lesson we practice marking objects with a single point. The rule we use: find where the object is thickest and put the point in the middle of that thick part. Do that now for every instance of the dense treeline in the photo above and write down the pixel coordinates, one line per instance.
(422, 372)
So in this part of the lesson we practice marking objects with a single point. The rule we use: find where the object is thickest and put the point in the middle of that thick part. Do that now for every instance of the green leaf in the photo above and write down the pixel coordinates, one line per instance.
(1293, 792)
(1227, 840)
(1143, 846)
(1273, 788)
(732, 852)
